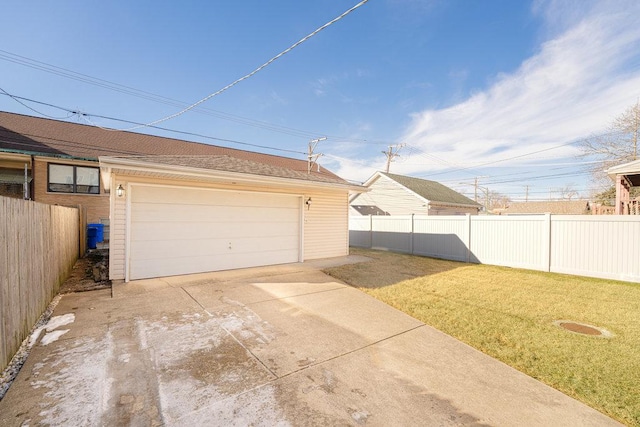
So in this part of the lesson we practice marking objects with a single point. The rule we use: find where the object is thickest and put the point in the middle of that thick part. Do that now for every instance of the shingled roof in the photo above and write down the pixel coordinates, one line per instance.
(55, 138)
(560, 207)
(228, 163)
(431, 190)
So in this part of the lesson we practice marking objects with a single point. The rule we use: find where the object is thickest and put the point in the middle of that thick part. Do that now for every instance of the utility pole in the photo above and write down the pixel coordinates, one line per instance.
(311, 157)
(526, 193)
(391, 154)
(475, 186)
(475, 190)
(636, 125)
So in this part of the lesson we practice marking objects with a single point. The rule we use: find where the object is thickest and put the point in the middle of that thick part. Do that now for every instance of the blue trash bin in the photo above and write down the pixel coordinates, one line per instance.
(100, 235)
(92, 237)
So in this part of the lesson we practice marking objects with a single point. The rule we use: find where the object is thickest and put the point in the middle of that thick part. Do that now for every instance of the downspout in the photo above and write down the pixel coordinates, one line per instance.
(32, 184)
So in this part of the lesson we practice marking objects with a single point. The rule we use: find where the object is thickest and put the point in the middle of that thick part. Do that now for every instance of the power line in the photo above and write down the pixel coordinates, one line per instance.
(17, 99)
(149, 96)
(524, 155)
(86, 116)
(252, 73)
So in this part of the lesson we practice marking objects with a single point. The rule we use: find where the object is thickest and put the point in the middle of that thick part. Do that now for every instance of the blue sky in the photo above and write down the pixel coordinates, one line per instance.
(491, 89)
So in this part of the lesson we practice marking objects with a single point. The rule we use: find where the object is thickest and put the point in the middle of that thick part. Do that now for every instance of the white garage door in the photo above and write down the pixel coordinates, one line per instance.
(187, 230)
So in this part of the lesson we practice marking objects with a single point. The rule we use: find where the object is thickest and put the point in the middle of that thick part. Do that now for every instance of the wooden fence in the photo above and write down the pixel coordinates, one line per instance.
(605, 246)
(38, 247)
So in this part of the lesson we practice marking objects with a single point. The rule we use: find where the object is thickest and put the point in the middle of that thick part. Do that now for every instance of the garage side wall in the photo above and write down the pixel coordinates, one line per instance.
(117, 232)
(326, 225)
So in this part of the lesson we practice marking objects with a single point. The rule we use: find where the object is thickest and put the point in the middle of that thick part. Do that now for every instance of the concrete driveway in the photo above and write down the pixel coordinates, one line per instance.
(283, 345)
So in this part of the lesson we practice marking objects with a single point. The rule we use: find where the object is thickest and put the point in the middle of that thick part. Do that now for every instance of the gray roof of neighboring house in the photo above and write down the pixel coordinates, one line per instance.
(431, 190)
(228, 163)
(559, 207)
(56, 138)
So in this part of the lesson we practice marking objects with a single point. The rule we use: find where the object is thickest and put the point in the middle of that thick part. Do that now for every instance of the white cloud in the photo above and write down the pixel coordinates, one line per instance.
(579, 79)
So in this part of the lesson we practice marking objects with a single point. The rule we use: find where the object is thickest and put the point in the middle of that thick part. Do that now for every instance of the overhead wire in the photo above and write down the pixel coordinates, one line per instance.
(252, 73)
(142, 94)
(17, 99)
(85, 116)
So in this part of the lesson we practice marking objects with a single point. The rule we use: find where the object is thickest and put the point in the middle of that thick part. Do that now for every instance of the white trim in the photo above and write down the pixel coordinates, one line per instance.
(111, 210)
(631, 168)
(127, 227)
(302, 218)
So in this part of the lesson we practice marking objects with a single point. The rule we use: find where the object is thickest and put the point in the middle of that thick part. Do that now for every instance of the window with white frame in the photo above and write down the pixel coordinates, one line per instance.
(73, 179)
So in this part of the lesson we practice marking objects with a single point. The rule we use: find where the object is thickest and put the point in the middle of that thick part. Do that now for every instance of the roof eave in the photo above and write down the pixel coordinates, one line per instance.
(113, 164)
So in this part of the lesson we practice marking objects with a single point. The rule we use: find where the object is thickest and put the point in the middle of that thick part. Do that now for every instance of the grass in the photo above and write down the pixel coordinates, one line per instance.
(508, 314)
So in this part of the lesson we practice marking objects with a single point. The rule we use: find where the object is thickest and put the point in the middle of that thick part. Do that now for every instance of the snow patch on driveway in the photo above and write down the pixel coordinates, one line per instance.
(74, 377)
(53, 336)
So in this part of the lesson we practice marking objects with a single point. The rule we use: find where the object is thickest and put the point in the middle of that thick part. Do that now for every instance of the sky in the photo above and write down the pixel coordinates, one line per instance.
(497, 92)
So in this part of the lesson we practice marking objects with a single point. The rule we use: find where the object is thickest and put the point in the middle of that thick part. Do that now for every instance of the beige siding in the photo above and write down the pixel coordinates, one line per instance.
(325, 232)
(326, 225)
(391, 197)
(117, 236)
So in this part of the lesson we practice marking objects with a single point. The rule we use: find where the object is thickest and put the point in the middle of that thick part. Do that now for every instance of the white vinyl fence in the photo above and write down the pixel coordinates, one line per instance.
(605, 246)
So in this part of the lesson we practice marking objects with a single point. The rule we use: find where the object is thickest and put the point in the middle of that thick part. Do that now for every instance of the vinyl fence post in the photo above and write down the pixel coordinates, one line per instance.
(412, 229)
(468, 242)
(370, 231)
(547, 246)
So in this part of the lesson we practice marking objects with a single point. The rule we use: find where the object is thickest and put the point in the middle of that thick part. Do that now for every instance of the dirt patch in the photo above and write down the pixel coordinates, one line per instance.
(85, 272)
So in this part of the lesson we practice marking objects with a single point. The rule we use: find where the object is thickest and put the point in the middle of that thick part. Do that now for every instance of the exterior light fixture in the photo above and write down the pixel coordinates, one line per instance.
(120, 190)
(308, 203)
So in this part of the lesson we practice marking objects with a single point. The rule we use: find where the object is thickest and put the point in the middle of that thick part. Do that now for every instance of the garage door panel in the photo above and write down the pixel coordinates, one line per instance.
(158, 231)
(144, 212)
(179, 248)
(198, 264)
(159, 195)
(182, 231)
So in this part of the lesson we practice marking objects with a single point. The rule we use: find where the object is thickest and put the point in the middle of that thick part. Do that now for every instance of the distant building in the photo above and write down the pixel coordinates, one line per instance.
(558, 207)
(391, 194)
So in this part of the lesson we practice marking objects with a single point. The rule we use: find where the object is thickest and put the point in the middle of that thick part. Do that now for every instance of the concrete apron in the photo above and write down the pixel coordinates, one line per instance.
(269, 346)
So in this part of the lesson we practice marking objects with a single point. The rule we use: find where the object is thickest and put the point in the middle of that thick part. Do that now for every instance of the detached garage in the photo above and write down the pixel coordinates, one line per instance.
(173, 215)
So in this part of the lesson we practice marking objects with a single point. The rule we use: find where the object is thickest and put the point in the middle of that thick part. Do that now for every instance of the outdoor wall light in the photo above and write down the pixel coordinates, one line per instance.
(308, 203)
(120, 190)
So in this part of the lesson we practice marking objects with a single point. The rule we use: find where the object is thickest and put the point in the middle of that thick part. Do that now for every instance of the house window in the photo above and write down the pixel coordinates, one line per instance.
(73, 179)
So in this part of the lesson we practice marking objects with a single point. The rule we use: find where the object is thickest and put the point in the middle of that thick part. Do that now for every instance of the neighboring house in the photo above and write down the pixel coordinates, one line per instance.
(184, 207)
(558, 207)
(391, 194)
(626, 176)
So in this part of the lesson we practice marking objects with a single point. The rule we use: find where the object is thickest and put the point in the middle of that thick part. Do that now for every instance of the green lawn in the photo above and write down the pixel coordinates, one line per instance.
(508, 314)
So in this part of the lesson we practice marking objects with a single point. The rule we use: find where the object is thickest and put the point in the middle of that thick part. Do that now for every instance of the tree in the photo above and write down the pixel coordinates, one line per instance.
(618, 145)
(492, 199)
(568, 192)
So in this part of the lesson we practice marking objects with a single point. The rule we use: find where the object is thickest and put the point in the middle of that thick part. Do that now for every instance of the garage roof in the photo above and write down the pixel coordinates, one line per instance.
(215, 167)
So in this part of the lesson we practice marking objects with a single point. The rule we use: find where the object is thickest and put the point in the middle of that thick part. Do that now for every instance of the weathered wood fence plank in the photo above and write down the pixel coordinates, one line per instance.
(38, 246)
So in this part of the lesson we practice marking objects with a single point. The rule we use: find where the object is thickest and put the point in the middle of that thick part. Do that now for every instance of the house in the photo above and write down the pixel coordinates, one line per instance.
(391, 194)
(626, 176)
(558, 207)
(179, 207)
